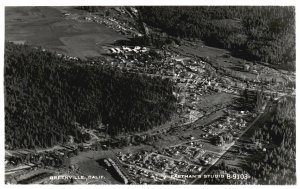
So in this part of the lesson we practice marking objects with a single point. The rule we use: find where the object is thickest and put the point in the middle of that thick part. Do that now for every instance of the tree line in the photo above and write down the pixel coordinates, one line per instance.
(265, 33)
(278, 164)
(46, 95)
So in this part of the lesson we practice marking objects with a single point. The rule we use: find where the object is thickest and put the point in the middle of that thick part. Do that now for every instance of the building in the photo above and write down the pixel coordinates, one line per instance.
(219, 141)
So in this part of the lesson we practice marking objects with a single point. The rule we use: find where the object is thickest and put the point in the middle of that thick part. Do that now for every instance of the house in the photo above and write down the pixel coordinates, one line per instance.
(113, 50)
(246, 67)
(118, 50)
(219, 141)
(227, 137)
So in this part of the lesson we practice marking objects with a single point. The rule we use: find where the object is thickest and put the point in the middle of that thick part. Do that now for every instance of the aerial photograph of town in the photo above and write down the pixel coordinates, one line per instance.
(182, 95)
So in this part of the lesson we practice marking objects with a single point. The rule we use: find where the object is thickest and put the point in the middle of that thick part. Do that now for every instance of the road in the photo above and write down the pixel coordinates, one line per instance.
(151, 171)
(261, 118)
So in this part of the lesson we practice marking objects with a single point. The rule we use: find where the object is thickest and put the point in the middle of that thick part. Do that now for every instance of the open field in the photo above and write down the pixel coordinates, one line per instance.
(221, 58)
(47, 27)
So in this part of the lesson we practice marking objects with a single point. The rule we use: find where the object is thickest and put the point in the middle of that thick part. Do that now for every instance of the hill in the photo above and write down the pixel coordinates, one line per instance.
(256, 33)
(46, 94)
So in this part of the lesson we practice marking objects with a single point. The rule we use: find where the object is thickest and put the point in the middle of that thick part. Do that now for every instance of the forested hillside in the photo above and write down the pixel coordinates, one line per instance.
(278, 165)
(258, 33)
(46, 94)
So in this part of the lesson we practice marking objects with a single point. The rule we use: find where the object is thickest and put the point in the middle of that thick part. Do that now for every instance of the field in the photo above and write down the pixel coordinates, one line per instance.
(224, 61)
(48, 27)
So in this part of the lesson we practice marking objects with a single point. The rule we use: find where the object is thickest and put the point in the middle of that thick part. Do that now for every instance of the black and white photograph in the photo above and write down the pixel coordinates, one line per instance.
(149, 94)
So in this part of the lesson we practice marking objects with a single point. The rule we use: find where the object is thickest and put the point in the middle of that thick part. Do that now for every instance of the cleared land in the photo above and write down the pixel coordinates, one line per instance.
(48, 27)
(223, 60)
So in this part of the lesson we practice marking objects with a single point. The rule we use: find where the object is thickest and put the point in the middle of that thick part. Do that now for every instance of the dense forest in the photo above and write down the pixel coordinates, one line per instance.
(46, 95)
(257, 33)
(93, 8)
(278, 166)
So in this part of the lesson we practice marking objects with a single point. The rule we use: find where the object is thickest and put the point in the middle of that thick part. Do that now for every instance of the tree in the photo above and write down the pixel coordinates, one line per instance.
(63, 91)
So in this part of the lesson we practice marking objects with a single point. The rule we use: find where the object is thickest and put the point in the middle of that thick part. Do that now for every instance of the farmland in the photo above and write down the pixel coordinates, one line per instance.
(48, 28)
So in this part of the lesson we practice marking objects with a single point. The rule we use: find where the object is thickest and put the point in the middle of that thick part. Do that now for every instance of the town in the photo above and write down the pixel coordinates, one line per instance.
(214, 109)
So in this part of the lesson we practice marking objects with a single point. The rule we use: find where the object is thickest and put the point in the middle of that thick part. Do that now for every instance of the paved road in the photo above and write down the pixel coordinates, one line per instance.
(257, 122)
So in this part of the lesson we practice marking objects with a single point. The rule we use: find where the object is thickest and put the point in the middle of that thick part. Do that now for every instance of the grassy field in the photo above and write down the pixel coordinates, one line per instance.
(48, 27)
(208, 102)
(222, 58)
